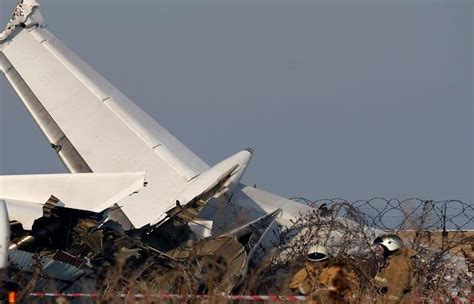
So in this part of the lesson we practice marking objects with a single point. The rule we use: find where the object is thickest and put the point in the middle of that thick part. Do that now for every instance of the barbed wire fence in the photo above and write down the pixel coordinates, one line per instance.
(411, 213)
(440, 231)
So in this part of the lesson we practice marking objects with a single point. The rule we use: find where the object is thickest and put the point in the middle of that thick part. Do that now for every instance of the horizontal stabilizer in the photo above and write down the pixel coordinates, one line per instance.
(85, 191)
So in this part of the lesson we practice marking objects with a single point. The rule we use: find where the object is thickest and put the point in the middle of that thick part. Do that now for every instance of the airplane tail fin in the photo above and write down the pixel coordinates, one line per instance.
(26, 16)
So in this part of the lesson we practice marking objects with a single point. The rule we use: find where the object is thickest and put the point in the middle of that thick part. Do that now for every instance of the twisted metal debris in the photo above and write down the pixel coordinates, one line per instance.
(437, 230)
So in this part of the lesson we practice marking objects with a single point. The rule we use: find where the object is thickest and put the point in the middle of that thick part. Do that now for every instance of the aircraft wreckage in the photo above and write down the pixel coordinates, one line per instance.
(134, 194)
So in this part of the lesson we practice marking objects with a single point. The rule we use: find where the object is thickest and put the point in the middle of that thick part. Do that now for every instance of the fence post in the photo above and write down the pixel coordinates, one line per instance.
(444, 234)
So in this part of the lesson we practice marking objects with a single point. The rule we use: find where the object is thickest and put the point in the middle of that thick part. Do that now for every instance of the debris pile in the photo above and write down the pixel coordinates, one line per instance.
(116, 262)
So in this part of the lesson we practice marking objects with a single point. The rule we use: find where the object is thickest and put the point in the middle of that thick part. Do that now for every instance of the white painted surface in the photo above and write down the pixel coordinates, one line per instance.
(202, 229)
(24, 212)
(107, 129)
(112, 134)
(4, 234)
(228, 171)
(86, 191)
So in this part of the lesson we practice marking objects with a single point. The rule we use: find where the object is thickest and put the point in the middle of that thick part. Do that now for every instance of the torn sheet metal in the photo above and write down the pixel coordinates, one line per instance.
(218, 264)
(24, 212)
(25, 14)
(252, 234)
(51, 268)
(201, 228)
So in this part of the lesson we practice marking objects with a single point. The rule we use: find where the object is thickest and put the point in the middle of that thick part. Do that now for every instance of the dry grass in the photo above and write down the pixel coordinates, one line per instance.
(443, 264)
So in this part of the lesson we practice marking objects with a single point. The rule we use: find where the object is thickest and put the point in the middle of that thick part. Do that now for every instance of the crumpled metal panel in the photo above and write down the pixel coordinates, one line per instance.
(20, 258)
(51, 268)
(217, 263)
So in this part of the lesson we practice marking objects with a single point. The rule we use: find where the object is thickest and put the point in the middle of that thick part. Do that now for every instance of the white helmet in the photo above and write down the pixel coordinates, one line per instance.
(317, 253)
(390, 241)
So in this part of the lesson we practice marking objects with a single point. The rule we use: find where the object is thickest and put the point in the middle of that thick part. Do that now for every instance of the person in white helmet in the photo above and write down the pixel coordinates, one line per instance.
(394, 278)
(325, 281)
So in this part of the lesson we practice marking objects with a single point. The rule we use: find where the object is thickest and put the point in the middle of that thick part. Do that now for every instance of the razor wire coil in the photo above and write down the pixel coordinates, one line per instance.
(411, 213)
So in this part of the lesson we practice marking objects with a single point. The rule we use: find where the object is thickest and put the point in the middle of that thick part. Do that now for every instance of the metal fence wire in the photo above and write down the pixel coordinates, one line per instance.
(439, 231)
(407, 214)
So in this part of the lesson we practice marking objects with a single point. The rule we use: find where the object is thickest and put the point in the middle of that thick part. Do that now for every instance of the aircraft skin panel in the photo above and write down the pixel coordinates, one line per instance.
(68, 154)
(269, 202)
(23, 212)
(4, 234)
(85, 191)
(180, 157)
(141, 123)
(71, 91)
(249, 203)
